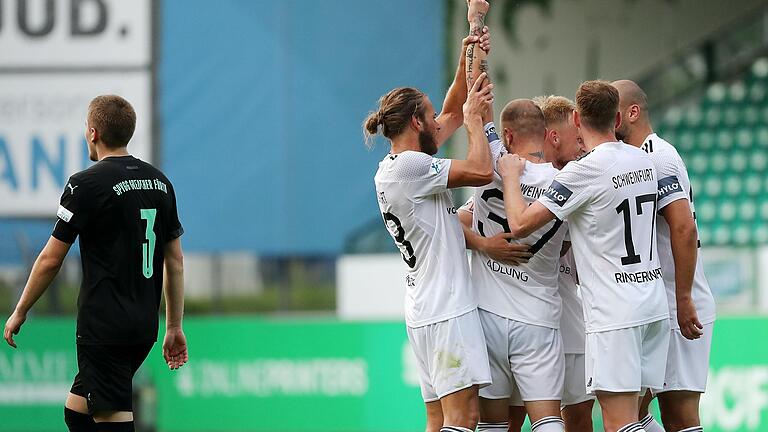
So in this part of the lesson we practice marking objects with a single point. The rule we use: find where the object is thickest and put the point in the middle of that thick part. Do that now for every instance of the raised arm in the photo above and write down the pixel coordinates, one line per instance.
(478, 42)
(175, 342)
(523, 219)
(476, 62)
(46, 267)
(477, 169)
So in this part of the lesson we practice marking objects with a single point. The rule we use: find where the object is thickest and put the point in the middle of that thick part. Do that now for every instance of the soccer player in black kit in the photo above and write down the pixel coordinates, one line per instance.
(124, 211)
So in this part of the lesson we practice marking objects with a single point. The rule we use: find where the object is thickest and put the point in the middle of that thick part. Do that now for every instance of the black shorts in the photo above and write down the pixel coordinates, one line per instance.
(105, 375)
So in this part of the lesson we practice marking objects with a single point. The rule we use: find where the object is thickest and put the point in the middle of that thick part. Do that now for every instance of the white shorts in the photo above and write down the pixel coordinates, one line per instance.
(627, 360)
(526, 360)
(688, 362)
(574, 391)
(451, 355)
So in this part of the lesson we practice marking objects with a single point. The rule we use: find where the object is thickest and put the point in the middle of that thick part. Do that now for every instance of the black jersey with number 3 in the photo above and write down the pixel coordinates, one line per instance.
(124, 211)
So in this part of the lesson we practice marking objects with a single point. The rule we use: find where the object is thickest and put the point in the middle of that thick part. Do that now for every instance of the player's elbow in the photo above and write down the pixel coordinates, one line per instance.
(686, 232)
(519, 230)
(49, 262)
(483, 177)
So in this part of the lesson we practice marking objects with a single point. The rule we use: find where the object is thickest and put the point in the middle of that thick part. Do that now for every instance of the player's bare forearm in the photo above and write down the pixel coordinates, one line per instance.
(515, 206)
(451, 116)
(478, 152)
(476, 57)
(45, 268)
(684, 242)
(174, 285)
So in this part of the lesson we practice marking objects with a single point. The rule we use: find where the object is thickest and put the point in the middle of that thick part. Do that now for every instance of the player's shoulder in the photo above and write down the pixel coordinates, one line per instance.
(410, 165)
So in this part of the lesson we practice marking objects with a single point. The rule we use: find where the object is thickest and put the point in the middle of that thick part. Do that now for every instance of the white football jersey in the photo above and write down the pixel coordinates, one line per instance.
(418, 210)
(572, 320)
(526, 292)
(609, 197)
(674, 184)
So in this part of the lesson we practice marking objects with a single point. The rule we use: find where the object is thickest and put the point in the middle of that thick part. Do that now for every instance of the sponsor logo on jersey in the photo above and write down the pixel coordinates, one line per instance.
(64, 214)
(382, 198)
(410, 281)
(72, 188)
(491, 134)
(509, 271)
(668, 186)
(450, 210)
(437, 165)
(638, 277)
(558, 193)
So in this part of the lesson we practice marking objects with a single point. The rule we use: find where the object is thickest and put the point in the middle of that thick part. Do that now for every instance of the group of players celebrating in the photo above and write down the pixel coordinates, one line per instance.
(560, 186)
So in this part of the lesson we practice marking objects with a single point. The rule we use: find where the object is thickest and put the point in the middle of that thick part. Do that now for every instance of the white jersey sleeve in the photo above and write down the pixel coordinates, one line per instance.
(423, 174)
(497, 146)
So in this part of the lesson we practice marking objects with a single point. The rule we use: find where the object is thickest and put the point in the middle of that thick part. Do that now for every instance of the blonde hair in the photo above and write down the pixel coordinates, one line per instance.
(556, 109)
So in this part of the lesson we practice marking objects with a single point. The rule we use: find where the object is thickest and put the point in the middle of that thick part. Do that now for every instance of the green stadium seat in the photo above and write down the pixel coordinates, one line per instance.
(757, 92)
(760, 68)
(713, 187)
(764, 210)
(721, 235)
(699, 164)
(718, 162)
(760, 233)
(744, 138)
(685, 141)
(726, 212)
(716, 93)
(737, 92)
(713, 117)
(753, 185)
(761, 137)
(705, 140)
(724, 139)
(742, 235)
(673, 117)
(758, 161)
(738, 163)
(706, 211)
(747, 211)
(694, 116)
(731, 116)
(732, 185)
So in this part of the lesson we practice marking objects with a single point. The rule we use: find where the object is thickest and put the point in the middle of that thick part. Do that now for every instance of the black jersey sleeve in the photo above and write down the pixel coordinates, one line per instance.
(74, 210)
(173, 228)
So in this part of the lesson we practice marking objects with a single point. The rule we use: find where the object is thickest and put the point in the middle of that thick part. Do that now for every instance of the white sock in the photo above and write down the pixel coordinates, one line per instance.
(454, 429)
(548, 424)
(493, 427)
(692, 429)
(632, 427)
(650, 424)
